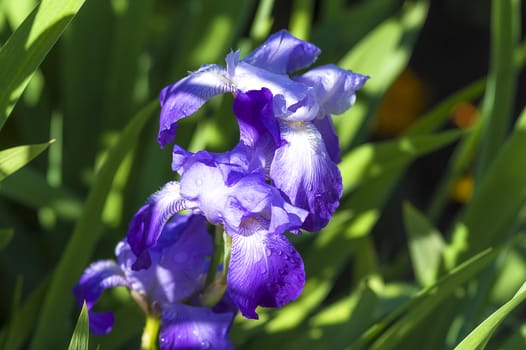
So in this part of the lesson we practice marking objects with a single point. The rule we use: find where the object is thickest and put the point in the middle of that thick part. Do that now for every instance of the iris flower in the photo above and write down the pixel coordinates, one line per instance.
(303, 165)
(264, 269)
(166, 289)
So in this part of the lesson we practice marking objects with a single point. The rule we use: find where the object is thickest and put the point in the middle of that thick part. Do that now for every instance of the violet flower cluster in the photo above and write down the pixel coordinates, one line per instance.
(281, 177)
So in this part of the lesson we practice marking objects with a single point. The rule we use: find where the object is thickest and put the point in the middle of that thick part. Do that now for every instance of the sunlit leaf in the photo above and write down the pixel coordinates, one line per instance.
(371, 160)
(28, 45)
(479, 337)
(80, 338)
(382, 54)
(502, 187)
(425, 245)
(388, 333)
(14, 158)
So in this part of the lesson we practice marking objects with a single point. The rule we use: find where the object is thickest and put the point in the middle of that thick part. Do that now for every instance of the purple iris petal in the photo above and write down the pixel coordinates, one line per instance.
(147, 224)
(284, 216)
(293, 100)
(192, 327)
(185, 97)
(179, 261)
(267, 66)
(98, 277)
(256, 216)
(254, 112)
(326, 128)
(205, 187)
(179, 264)
(180, 157)
(283, 53)
(230, 164)
(334, 87)
(304, 171)
(101, 323)
(265, 269)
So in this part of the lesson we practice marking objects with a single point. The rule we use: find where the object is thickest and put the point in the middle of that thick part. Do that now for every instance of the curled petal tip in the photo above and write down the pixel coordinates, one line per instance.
(147, 224)
(283, 53)
(186, 96)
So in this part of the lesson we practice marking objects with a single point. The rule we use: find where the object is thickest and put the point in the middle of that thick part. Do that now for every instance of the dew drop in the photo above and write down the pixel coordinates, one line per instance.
(268, 251)
(204, 344)
(263, 270)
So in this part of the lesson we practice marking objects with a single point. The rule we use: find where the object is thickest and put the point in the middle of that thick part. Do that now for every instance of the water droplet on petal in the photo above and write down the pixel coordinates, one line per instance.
(268, 251)
(263, 270)
(205, 344)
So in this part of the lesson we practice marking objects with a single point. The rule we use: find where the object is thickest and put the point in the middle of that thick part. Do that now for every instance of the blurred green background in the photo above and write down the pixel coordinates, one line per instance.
(427, 250)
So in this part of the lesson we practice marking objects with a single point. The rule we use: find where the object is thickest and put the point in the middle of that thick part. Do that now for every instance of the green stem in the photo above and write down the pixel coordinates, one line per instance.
(227, 241)
(216, 282)
(217, 255)
(150, 334)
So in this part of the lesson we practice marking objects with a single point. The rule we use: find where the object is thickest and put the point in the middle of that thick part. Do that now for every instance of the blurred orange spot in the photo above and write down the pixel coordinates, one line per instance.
(403, 102)
(464, 115)
(461, 189)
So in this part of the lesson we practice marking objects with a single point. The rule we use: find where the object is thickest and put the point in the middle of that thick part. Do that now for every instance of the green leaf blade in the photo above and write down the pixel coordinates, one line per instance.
(15, 158)
(84, 237)
(502, 79)
(386, 335)
(383, 54)
(28, 46)
(425, 245)
(482, 333)
(501, 186)
(80, 337)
